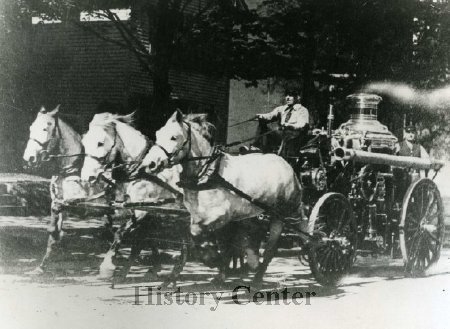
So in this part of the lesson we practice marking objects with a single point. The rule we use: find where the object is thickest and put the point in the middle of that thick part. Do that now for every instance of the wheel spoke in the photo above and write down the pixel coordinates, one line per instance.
(334, 227)
(427, 250)
(421, 202)
(336, 258)
(432, 217)
(430, 203)
(411, 219)
(412, 229)
(433, 237)
(324, 262)
(423, 226)
(322, 254)
(341, 220)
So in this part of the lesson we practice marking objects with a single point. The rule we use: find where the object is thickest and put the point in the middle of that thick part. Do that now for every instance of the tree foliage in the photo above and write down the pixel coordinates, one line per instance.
(315, 43)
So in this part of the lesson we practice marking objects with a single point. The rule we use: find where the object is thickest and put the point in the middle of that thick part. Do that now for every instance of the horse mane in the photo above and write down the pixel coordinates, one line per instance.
(109, 120)
(134, 140)
(200, 123)
(69, 129)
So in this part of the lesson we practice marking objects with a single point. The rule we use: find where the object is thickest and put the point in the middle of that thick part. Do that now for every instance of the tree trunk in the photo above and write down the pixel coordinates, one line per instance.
(164, 25)
(307, 72)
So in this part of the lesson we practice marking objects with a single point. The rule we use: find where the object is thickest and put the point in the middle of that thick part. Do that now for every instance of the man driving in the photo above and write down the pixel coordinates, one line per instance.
(293, 120)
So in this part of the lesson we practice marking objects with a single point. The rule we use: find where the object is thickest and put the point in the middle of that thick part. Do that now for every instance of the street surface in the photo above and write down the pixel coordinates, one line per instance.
(375, 295)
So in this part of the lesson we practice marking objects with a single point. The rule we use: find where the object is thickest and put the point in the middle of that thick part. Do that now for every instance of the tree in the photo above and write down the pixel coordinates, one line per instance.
(16, 76)
(158, 33)
(314, 41)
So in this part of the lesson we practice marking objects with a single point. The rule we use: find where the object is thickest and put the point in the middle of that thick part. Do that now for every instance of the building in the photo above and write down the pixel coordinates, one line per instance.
(86, 74)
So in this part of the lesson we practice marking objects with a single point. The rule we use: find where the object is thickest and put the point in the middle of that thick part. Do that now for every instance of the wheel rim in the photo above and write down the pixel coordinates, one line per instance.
(334, 228)
(422, 226)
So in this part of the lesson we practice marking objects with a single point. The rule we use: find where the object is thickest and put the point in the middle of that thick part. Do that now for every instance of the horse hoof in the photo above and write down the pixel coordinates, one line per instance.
(168, 284)
(36, 272)
(258, 279)
(117, 279)
(218, 280)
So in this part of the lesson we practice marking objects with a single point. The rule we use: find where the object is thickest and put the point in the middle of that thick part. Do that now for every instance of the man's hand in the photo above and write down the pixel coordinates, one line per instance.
(287, 126)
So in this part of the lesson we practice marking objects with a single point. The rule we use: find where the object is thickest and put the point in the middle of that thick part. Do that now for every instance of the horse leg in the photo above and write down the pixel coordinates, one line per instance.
(226, 239)
(107, 232)
(137, 230)
(136, 249)
(55, 234)
(178, 268)
(251, 236)
(107, 267)
(276, 228)
(235, 261)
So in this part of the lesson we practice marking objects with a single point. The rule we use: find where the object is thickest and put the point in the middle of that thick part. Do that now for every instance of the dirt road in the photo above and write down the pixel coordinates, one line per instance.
(375, 295)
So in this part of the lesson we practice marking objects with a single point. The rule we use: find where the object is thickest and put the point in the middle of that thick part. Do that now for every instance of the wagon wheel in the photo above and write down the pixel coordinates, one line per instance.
(333, 247)
(421, 226)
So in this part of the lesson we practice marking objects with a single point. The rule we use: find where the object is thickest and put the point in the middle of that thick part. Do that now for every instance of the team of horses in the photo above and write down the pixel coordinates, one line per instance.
(183, 151)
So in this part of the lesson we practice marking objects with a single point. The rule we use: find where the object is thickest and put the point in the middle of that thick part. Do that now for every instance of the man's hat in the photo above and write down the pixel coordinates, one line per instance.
(291, 92)
(410, 129)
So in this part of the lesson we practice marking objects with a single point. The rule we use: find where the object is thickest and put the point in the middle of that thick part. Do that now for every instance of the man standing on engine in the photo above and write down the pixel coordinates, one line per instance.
(409, 147)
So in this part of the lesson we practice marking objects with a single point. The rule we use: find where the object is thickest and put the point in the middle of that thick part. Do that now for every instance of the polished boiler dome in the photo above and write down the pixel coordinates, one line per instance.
(363, 131)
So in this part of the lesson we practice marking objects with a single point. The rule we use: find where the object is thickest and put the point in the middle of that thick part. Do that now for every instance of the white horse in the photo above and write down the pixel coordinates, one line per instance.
(50, 136)
(112, 142)
(267, 179)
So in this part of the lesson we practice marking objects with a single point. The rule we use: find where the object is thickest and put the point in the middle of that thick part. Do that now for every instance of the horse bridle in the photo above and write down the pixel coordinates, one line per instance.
(103, 160)
(172, 155)
(110, 165)
(44, 153)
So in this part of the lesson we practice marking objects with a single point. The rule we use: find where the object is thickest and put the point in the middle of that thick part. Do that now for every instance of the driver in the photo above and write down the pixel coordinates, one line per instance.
(293, 120)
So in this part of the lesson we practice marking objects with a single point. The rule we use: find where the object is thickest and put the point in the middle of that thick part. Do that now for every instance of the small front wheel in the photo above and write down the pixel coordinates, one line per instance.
(333, 247)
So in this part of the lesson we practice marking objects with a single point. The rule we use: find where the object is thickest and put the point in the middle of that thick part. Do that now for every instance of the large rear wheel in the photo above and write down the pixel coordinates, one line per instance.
(333, 247)
(421, 226)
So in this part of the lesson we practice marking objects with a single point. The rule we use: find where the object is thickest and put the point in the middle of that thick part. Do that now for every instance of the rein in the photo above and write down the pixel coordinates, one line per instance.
(45, 144)
(218, 148)
(242, 122)
(242, 141)
(171, 155)
(102, 160)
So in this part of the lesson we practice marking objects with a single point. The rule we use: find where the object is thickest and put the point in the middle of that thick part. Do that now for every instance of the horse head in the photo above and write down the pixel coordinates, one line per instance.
(43, 136)
(180, 137)
(110, 138)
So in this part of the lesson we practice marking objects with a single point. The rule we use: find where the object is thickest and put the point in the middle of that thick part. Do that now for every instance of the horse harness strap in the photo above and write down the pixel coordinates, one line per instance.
(160, 182)
(104, 158)
(216, 156)
(188, 141)
(133, 173)
(45, 144)
(134, 165)
(268, 209)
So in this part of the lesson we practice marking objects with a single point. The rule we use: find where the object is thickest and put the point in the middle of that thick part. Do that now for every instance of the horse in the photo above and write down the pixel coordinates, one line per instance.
(112, 142)
(267, 180)
(51, 136)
